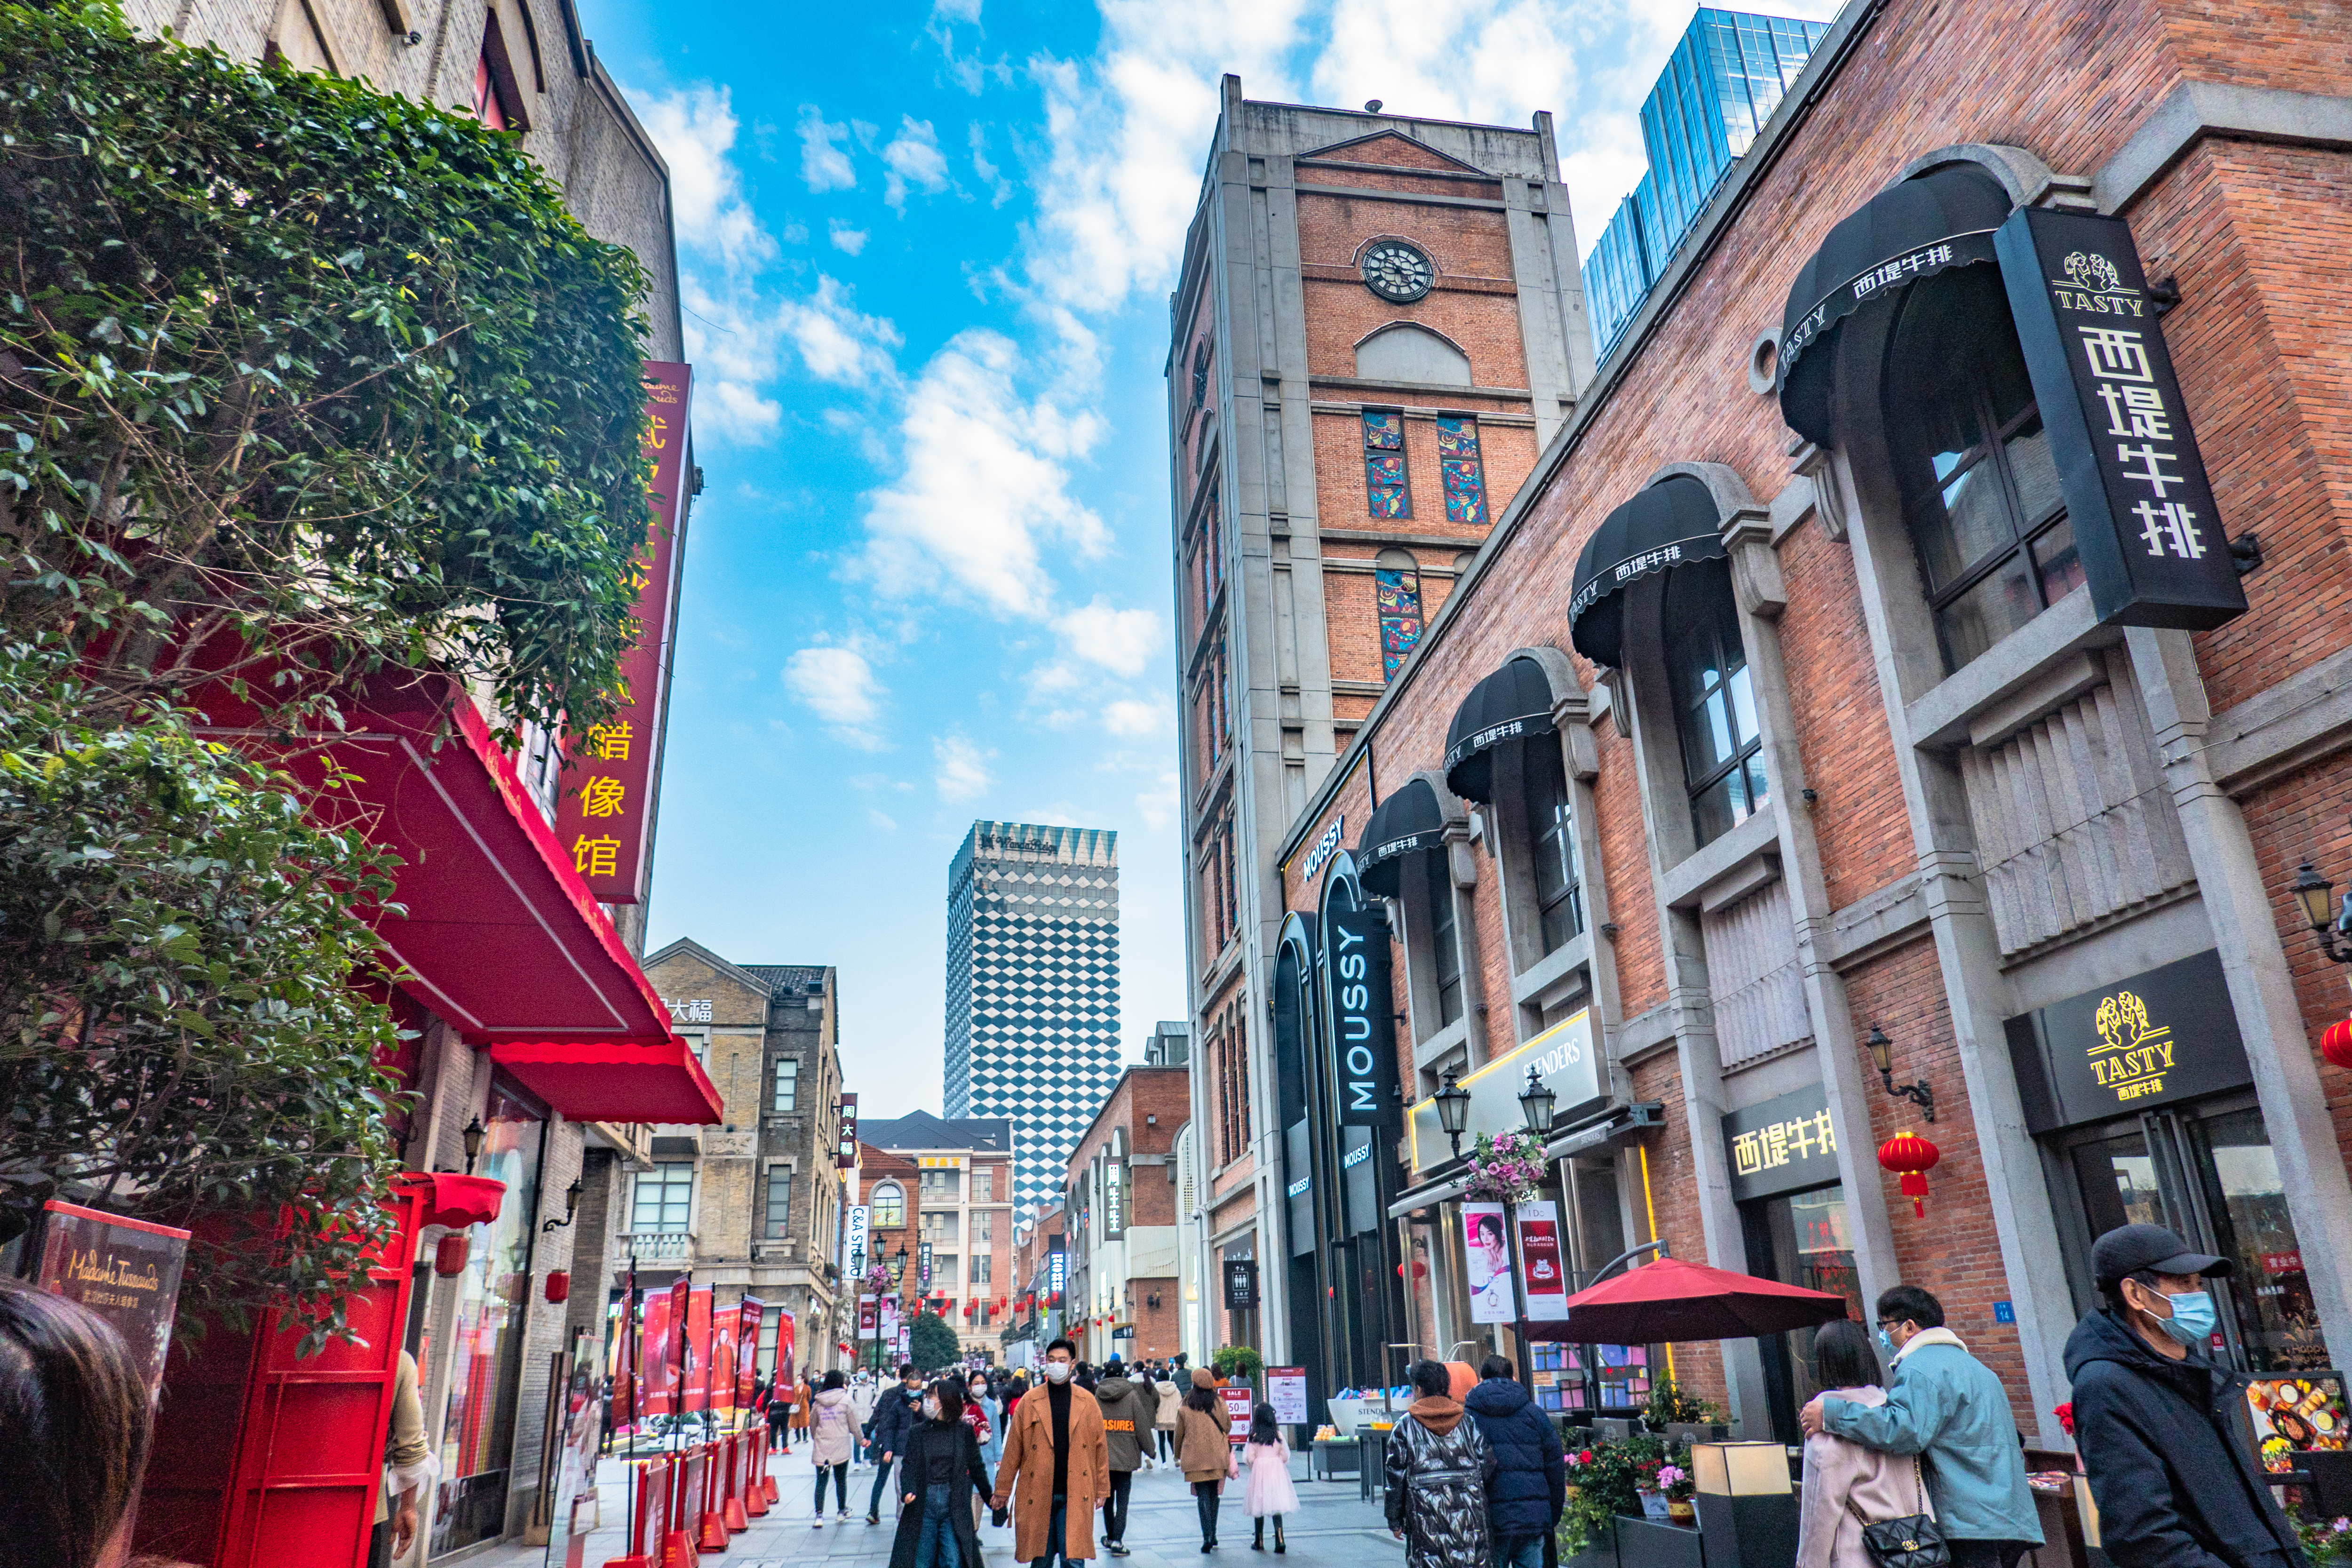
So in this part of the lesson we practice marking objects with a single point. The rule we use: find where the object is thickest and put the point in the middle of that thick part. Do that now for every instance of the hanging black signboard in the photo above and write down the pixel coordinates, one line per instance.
(1363, 1020)
(2143, 513)
(2155, 1039)
(1782, 1145)
(1240, 1284)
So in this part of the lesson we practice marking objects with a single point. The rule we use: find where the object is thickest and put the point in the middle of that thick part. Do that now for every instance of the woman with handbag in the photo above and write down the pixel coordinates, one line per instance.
(1852, 1494)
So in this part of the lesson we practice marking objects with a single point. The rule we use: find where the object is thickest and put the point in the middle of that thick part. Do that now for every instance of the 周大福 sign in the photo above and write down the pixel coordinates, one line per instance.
(2149, 1040)
(2138, 497)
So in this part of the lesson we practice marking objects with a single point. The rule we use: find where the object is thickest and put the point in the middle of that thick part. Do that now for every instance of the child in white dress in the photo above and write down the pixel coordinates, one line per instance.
(1270, 1493)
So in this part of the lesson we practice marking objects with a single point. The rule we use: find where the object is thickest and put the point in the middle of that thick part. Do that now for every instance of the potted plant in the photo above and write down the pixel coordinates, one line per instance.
(1674, 1482)
(1506, 1168)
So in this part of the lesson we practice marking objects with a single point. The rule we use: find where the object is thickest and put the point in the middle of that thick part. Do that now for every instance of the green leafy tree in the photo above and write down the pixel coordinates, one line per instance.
(1233, 1363)
(934, 1342)
(304, 390)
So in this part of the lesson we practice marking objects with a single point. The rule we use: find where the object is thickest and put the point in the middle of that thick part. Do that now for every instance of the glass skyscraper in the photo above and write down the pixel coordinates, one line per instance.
(1720, 85)
(1033, 990)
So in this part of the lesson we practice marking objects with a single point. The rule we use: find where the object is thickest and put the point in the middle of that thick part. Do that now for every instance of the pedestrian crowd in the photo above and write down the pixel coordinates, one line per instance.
(1915, 1462)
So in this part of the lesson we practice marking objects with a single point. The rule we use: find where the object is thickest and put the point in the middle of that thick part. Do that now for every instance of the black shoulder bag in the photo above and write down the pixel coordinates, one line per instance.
(1912, 1541)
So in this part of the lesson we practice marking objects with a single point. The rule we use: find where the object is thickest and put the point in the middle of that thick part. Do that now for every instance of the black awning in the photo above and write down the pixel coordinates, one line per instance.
(1407, 823)
(1515, 701)
(1910, 230)
(1672, 523)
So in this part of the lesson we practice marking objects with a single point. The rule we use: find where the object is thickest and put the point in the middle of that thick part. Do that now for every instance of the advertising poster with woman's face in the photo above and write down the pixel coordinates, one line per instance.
(1492, 1288)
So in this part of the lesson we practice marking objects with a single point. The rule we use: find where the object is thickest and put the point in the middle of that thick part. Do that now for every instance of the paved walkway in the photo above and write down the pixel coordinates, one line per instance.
(1334, 1528)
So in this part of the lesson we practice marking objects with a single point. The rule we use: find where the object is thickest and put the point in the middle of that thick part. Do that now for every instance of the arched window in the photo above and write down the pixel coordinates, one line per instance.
(1980, 489)
(889, 1206)
(1715, 707)
(1558, 902)
(1397, 587)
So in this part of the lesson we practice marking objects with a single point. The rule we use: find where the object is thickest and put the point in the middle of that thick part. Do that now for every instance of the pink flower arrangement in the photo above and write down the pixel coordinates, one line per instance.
(1507, 1168)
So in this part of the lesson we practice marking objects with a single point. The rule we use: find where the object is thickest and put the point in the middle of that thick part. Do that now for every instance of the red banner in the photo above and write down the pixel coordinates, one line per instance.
(746, 1349)
(694, 1391)
(784, 1342)
(657, 1359)
(604, 817)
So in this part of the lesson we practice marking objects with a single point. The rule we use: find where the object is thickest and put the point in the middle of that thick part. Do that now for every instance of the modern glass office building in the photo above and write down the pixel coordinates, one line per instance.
(1033, 989)
(1721, 83)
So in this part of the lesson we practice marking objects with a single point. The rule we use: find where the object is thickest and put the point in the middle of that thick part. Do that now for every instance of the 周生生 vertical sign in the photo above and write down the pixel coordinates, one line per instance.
(605, 813)
(2141, 507)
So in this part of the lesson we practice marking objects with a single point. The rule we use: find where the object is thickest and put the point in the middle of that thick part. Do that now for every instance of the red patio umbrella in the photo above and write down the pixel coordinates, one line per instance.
(1672, 1301)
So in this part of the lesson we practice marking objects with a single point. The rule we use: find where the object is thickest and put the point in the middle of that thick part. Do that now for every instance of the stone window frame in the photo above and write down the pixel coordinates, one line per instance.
(768, 1221)
(896, 1189)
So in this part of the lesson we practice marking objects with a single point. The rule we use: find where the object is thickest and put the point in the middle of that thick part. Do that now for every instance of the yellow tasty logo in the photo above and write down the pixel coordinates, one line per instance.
(2133, 1054)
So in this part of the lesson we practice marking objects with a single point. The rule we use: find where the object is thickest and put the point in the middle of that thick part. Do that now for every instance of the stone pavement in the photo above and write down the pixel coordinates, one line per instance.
(1334, 1528)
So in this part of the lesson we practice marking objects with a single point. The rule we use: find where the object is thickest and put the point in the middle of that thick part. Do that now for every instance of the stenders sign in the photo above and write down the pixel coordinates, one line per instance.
(604, 817)
(2137, 494)
(1363, 1020)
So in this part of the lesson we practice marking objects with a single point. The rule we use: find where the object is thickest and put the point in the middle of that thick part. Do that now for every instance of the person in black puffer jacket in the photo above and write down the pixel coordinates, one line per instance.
(1530, 1486)
(2157, 1421)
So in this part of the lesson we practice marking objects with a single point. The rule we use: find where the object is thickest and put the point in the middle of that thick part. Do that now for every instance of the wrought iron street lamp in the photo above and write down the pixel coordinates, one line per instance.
(1882, 1053)
(473, 1135)
(2315, 894)
(1453, 1110)
(1536, 1100)
(570, 1208)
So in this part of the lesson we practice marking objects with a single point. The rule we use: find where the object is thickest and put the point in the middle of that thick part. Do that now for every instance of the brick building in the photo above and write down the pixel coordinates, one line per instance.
(752, 1206)
(1041, 1263)
(1125, 1284)
(945, 1183)
(1827, 691)
(1378, 327)
(487, 1338)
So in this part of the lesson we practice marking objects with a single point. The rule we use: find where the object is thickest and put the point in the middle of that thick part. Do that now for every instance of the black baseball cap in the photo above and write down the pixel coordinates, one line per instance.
(2128, 1248)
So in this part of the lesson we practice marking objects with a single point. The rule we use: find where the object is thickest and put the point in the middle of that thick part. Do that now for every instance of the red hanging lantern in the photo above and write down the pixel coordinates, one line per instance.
(559, 1284)
(449, 1254)
(1914, 1156)
(2336, 1045)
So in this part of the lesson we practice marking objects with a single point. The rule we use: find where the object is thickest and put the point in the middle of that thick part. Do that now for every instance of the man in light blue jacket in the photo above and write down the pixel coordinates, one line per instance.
(1947, 1406)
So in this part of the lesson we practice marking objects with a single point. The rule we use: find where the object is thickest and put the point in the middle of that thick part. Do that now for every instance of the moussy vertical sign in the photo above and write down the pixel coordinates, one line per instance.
(604, 818)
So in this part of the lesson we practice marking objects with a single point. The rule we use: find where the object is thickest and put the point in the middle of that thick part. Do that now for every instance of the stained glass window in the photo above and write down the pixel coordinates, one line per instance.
(1385, 493)
(1465, 479)
(1398, 591)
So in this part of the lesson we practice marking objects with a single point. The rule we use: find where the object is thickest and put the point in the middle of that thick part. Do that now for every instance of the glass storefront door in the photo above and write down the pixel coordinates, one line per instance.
(2207, 1170)
(1801, 1239)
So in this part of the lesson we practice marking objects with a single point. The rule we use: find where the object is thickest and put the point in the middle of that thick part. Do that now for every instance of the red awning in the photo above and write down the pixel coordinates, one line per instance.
(501, 937)
(593, 1081)
(454, 1200)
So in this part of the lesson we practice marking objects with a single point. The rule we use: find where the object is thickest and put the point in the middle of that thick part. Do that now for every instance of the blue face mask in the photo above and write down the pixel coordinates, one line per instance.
(1886, 1342)
(2193, 1318)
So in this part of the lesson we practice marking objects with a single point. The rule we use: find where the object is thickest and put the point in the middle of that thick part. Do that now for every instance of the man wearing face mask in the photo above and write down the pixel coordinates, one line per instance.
(1056, 1455)
(1950, 1409)
(2176, 1484)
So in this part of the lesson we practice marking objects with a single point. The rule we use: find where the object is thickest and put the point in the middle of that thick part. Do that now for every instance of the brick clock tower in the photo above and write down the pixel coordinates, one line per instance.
(1378, 325)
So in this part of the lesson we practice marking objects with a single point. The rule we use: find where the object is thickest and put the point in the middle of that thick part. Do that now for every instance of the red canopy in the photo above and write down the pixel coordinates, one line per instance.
(500, 935)
(451, 1199)
(1671, 1302)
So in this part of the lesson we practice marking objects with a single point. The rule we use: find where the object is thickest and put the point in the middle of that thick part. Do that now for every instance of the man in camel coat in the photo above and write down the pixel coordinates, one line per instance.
(1056, 1467)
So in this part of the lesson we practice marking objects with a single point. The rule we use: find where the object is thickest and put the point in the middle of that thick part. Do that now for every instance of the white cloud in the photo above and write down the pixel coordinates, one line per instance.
(837, 683)
(1156, 805)
(984, 487)
(1122, 641)
(695, 129)
(962, 769)
(913, 158)
(835, 343)
(1135, 719)
(955, 10)
(824, 161)
(881, 819)
(1000, 188)
(846, 240)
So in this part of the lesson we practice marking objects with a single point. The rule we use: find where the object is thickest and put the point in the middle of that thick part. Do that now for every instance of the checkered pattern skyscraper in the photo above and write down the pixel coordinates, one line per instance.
(1033, 989)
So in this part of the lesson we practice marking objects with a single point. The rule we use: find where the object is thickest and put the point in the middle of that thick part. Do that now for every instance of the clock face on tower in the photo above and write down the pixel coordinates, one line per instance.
(1395, 270)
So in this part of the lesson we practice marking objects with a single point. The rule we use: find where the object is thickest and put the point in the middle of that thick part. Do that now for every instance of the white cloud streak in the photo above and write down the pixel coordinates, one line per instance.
(962, 768)
(837, 682)
(824, 158)
(913, 158)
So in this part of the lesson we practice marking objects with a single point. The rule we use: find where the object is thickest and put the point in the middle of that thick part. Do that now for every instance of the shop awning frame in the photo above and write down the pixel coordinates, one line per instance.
(1929, 223)
(1674, 522)
(1513, 702)
(1619, 1122)
(1408, 822)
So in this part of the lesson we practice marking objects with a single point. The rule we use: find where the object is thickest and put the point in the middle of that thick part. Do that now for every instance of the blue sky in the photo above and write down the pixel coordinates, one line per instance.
(927, 251)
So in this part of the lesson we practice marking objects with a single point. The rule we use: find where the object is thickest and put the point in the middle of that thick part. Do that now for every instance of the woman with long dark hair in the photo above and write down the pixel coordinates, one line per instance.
(74, 1429)
(1202, 1451)
(1846, 1483)
(940, 1465)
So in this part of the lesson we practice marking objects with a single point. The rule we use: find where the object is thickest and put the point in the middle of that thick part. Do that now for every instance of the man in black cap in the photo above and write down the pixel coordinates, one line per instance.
(2175, 1485)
